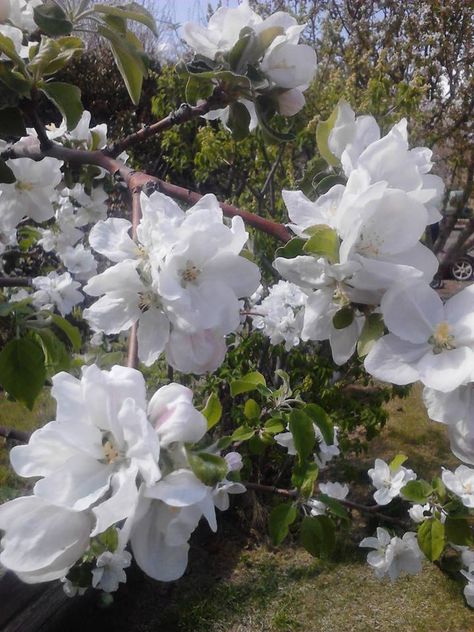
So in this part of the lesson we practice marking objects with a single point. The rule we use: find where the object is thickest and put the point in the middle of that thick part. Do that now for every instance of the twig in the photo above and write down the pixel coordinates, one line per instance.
(132, 359)
(183, 114)
(15, 281)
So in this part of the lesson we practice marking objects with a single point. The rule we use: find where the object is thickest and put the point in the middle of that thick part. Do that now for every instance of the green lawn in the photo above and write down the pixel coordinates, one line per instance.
(234, 585)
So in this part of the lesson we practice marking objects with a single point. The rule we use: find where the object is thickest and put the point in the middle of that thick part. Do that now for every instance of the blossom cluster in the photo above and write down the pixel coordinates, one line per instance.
(181, 282)
(282, 68)
(112, 470)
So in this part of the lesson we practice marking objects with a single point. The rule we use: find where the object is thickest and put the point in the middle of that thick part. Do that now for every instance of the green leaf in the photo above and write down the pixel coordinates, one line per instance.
(318, 535)
(224, 442)
(397, 461)
(18, 306)
(238, 121)
(281, 517)
(198, 88)
(212, 410)
(248, 382)
(324, 242)
(343, 317)
(372, 330)
(458, 531)
(51, 19)
(263, 114)
(244, 52)
(274, 425)
(252, 409)
(14, 81)
(209, 468)
(129, 59)
(304, 476)
(71, 331)
(335, 507)
(301, 427)
(328, 182)
(432, 538)
(56, 357)
(130, 11)
(53, 55)
(439, 488)
(322, 138)
(6, 174)
(7, 47)
(417, 491)
(22, 372)
(320, 417)
(243, 433)
(291, 249)
(67, 98)
(12, 123)
(109, 539)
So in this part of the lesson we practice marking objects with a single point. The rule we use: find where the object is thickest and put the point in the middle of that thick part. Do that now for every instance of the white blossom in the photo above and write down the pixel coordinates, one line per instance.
(461, 483)
(56, 290)
(428, 341)
(393, 556)
(109, 571)
(388, 481)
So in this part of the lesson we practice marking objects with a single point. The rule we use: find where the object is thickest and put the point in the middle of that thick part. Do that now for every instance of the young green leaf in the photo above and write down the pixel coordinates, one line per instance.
(252, 410)
(243, 433)
(320, 417)
(51, 19)
(396, 462)
(343, 318)
(67, 98)
(432, 538)
(22, 371)
(212, 410)
(318, 535)
(71, 331)
(249, 382)
(209, 468)
(417, 491)
(323, 130)
(304, 477)
(372, 330)
(281, 517)
(130, 11)
(324, 242)
(301, 427)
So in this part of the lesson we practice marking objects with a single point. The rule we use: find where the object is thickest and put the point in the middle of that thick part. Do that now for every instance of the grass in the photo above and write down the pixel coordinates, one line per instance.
(15, 415)
(234, 586)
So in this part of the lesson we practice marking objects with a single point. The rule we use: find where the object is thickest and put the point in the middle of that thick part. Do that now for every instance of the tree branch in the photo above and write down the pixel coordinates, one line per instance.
(136, 180)
(184, 113)
(15, 281)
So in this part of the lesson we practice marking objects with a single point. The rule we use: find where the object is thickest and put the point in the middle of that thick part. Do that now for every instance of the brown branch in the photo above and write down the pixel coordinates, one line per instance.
(293, 493)
(132, 359)
(183, 114)
(15, 281)
(136, 180)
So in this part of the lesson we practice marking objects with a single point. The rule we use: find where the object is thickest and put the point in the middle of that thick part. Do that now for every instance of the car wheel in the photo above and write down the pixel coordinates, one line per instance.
(462, 269)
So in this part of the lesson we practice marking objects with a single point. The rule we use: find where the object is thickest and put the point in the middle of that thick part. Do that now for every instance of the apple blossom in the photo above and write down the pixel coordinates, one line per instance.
(56, 290)
(388, 482)
(109, 570)
(461, 483)
(428, 341)
(393, 556)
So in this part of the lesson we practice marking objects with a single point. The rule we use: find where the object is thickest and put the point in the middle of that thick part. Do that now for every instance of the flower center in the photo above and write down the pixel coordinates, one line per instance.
(147, 300)
(110, 450)
(442, 339)
(23, 186)
(190, 273)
